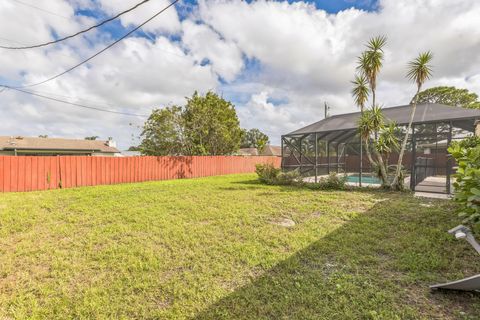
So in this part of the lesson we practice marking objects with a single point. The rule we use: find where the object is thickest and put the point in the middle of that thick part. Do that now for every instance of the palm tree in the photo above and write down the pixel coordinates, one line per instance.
(360, 91)
(370, 62)
(370, 124)
(419, 71)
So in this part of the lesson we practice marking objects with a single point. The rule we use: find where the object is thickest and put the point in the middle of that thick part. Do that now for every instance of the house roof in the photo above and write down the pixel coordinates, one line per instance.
(270, 150)
(34, 143)
(429, 112)
(248, 152)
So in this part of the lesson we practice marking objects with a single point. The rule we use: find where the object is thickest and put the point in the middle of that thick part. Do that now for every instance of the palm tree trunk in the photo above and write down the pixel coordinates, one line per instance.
(396, 184)
(381, 165)
(369, 154)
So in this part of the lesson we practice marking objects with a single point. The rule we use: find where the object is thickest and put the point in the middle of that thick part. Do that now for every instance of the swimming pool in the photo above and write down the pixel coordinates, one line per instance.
(355, 178)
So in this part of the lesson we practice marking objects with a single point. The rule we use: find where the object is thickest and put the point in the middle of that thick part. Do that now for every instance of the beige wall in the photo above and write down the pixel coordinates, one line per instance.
(477, 128)
(103, 154)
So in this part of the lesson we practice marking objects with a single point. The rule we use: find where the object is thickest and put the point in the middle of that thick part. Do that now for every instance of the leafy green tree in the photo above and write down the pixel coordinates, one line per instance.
(450, 96)
(254, 138)
(206, 125)
(211, 125)
(163, 133)
(92, 138)
(419, 71)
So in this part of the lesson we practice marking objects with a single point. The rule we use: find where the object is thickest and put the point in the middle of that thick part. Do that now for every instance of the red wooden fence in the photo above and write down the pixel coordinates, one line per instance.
(24, 173)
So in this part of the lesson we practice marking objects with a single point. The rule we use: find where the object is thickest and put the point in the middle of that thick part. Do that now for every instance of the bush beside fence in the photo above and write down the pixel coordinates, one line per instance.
(29, 173)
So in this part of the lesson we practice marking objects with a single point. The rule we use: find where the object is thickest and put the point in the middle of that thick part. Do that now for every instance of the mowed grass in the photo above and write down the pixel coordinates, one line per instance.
(211, 248)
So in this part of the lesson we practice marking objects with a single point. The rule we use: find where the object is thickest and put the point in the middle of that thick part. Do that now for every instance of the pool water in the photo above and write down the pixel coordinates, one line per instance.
(365, 179)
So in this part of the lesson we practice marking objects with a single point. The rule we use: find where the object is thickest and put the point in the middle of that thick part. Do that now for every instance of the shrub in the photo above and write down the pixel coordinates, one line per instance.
(469, 142)
(289, 178)
(267, 172)
(333, 181)
(467, 184)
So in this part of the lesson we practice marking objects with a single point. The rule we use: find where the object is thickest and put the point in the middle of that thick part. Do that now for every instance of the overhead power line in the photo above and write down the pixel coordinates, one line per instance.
(40, 9)
(99, 52)
(75, 104)
(77, 33)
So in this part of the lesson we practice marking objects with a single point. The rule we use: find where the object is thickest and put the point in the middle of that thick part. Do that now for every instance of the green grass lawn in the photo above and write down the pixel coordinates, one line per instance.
(211, 248)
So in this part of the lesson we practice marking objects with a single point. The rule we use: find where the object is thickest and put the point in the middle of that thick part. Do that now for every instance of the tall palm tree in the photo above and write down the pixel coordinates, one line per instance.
(360, 93)
(370, 62)
(419, 71)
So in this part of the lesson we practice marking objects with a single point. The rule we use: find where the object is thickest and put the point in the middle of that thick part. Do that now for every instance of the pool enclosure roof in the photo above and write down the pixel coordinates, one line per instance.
(428, 112)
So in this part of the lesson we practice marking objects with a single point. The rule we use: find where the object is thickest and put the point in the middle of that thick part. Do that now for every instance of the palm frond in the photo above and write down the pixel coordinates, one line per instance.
(360, 91)
(419, 70)
(377, 43)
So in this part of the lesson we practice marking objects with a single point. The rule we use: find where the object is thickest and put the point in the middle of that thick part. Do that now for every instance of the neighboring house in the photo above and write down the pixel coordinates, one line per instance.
(269, 150)
(33, 146)
(248, 152)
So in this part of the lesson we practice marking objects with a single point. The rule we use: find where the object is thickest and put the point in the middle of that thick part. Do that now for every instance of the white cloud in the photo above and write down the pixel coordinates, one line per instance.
(166, 22)
(204, 43)
(302, 57)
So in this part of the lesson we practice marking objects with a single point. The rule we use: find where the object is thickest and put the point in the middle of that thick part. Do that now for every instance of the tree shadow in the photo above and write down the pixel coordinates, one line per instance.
(179, 166)
(378, 265)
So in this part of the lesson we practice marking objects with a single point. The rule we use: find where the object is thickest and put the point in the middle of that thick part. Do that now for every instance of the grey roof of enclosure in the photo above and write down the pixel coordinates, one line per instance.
(429, 112)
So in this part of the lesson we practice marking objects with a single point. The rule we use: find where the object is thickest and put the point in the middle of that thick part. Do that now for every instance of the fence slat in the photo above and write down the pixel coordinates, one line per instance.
(2, 174)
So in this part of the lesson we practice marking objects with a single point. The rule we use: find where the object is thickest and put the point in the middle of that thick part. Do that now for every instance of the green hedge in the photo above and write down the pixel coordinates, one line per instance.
(467, 185)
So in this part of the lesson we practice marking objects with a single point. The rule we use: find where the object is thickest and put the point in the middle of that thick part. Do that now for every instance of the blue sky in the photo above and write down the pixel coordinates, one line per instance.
(334, 6)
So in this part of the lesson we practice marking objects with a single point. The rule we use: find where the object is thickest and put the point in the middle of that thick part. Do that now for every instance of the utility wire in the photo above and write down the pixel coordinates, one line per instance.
(40, 9)
(88, 101)
(75, 104)
(79, 32)
(99, 52)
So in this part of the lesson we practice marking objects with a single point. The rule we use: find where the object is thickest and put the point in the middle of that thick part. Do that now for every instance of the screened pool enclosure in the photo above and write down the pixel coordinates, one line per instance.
(333, 145)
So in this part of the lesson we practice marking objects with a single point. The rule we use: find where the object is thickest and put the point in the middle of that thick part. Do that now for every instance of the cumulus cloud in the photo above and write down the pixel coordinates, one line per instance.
(169, 21)
(205, 44)
(278, 61)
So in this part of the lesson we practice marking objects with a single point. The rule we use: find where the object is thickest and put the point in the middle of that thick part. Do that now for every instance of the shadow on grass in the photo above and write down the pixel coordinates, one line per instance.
(378, 265)
(248, 182)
